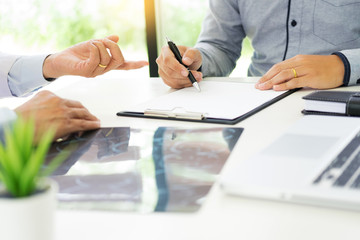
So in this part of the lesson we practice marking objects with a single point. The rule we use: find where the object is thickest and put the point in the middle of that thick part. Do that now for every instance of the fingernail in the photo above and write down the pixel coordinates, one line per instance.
(186, 59)
(184, 73)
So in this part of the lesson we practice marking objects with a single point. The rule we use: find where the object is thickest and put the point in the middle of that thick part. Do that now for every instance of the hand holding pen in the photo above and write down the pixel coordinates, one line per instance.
(178, 57)
(177, 75)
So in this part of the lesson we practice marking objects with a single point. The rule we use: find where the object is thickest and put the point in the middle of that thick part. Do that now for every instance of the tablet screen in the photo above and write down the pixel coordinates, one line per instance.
(144, 170)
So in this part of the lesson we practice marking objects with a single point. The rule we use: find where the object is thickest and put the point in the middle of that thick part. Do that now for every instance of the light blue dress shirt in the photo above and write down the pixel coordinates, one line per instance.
(23, 76)
(26, 75)
(7, 117)
(280, 30)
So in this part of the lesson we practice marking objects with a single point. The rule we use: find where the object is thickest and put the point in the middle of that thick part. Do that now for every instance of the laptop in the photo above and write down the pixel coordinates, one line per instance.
(316, 161)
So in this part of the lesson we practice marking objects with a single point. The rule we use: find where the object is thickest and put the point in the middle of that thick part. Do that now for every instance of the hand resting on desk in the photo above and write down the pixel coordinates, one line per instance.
(49, 110)
(315, 71)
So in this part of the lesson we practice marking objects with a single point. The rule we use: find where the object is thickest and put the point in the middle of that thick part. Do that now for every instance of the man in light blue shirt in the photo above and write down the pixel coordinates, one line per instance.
(296, 44)
(21, 75)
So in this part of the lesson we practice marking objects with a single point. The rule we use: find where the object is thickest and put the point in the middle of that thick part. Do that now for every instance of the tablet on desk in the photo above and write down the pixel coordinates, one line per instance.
(144, 170)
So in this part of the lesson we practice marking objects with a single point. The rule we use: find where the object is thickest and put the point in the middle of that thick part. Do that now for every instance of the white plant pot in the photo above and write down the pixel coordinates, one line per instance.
(29, 218)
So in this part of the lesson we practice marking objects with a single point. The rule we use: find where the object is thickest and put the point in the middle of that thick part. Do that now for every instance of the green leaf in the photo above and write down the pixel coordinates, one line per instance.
(2, 158)
(14, 162)
(5, 173)
(25, 135)
(27, 179)
(20, 160)
(9, 183)
(32, 168)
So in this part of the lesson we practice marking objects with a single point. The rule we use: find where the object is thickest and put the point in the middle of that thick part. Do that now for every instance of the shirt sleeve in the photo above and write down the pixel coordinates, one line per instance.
(353, 57)
(220, 40)
(26, 75)
(6, 62)
(7, 116)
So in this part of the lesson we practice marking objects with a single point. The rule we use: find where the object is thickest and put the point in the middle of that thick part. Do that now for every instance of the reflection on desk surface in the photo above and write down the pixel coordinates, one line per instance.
(142, 170)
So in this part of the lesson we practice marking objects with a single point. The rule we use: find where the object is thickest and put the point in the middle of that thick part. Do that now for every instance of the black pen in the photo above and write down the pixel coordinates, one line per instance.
(177, 54)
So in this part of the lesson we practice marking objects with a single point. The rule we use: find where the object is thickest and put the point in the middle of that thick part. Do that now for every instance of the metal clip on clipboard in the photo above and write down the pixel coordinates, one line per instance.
(179, 113)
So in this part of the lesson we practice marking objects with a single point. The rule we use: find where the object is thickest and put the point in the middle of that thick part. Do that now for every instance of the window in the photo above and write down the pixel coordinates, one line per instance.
(180, 20)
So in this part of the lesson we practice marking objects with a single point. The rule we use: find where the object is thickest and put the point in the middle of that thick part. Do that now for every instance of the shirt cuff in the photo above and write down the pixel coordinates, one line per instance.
(26, 74)
(346, 66)
(353, 57)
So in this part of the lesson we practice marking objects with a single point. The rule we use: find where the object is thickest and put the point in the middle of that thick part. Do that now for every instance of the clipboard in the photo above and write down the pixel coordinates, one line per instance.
(220, 102)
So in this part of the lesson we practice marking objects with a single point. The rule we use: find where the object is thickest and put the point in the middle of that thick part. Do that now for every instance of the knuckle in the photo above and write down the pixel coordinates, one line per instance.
(166, 60)
(191, 52)
(293, 83)
(88, 75)
(300, 57)
(277, 67)
(286, 75)
(106, 58)
(68, 121)
(167, 82)
(77, 102)
(171, 83)
(119, 62)
(63, 112)
(267, 83)
(58, 100)
(44, 92)
(297, 83)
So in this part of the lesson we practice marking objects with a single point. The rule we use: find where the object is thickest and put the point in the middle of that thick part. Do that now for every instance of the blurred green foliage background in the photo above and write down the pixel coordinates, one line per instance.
(67, 22)
(37, 26)
(182, 22)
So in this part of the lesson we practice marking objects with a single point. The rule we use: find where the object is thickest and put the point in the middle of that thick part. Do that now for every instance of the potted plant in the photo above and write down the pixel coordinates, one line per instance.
(27, 196)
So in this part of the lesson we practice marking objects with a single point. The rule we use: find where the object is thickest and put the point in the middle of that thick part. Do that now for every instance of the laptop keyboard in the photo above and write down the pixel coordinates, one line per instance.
(344, 170)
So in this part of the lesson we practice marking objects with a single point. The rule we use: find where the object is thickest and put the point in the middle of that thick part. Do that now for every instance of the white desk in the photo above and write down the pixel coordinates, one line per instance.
(222, 216)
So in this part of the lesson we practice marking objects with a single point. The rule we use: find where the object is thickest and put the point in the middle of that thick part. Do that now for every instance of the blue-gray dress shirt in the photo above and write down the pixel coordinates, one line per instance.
(280, 30)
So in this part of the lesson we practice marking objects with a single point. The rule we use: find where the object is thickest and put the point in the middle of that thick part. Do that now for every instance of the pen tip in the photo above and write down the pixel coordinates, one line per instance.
(167, 39)
(196, 85)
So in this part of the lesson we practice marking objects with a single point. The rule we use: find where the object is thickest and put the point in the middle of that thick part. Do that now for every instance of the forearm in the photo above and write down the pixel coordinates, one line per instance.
(215, 63)
(221, 38)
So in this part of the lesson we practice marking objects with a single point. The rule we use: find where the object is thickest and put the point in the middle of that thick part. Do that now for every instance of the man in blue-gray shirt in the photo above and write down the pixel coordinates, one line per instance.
(296, 44)
(20, 75)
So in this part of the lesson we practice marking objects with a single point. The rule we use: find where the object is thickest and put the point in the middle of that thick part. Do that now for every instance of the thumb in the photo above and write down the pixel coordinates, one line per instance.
(192, 58)
(187, 58)
(114, 38)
